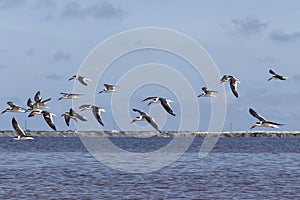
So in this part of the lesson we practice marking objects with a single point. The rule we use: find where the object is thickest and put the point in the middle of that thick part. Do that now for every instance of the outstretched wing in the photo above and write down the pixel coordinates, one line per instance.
(148, 98)
(151, 121)
(167, 106)
(48, 118)
(256, 115)
(139, 111)
(97, 114)
(109, 87)
(82, 80)
(272, 72)
(17, 128)
(12, 105)
(37, 96)
(233, 86)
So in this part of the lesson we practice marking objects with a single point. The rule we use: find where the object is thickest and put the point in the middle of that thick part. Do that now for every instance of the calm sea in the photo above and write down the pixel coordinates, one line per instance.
(238, 168)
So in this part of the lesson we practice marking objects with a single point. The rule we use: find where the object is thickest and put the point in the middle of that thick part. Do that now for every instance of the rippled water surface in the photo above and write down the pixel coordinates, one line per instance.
(238, 168)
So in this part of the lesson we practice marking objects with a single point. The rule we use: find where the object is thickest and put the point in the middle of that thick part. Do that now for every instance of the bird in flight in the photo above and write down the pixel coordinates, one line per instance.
(164, 102)
(69, 96)
(207, 93)
(81, 79)
(262, 121)
(233, 83)
(72, 115)
(21, 134)
(109, 89)
(276, 76)
(13, 108)
(145, 117)
(96, 111)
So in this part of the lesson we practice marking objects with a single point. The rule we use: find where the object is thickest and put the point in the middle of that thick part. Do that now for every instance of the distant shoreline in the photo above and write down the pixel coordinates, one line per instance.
(145, 134)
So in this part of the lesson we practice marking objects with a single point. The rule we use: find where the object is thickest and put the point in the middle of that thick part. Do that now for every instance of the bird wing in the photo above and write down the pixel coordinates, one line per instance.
(76, 115)
(37, 96)
(151, 121)
(82, 80)
(48, 118)
(85, 107)
(148, 98)
(67, 118)
(204, 89)
(109, 87)
(233, 86)
(12, 105)
(166, 106)
(256, 115)
(139, 111)
(272, 72)
(97, 114)
(17, 128)
(29, 103)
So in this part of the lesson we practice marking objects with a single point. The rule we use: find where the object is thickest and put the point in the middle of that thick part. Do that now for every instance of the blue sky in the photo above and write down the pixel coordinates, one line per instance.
(43, 43)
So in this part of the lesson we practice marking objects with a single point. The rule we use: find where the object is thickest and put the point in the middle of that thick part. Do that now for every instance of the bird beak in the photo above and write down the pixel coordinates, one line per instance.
(270, 79)
(253, 126)
(149, 103)
(3, 111)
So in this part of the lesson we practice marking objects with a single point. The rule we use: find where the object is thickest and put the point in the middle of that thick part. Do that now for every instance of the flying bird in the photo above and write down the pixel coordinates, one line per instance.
(262, 121)
(164, 102)
(13, 108)
(48, 118)
(145, 117)
(21, 134)
(109, 89)
(69, 96)
(72, 115)
(207, 93)
(95, 110)
(81, 79)
(276, 76)
(39, 103)
(233, 83)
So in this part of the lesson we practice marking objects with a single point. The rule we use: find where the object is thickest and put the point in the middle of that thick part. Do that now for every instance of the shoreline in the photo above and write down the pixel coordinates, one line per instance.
(146, 134)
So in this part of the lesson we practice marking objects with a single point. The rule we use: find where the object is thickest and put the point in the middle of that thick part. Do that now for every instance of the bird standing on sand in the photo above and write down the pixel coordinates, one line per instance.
(81, 79)
(262, 121)
(21, 134)
(145, 117)
(109, 89)
(276, 76)
(164, 102)
(207, 93)
(233, 83)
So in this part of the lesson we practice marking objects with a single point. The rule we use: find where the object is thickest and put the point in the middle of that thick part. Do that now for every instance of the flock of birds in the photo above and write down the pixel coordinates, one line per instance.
(38, 107)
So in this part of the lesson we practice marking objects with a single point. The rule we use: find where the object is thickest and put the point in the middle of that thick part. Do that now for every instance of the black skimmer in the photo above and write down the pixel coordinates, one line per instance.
(21, 134)
(39, 102)
(13, 108)
(35, 112)
(48, 118)
(72, 115)
(233, 83)
(276, 76)
(96, 111)
(69, 96)
(207, 93)
(81, 79)
(262, 121)
(109, 88)
(144, 116)
(164, 102)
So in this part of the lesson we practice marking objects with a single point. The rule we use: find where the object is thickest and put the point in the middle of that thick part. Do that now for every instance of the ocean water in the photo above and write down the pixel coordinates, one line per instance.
(237, 168)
